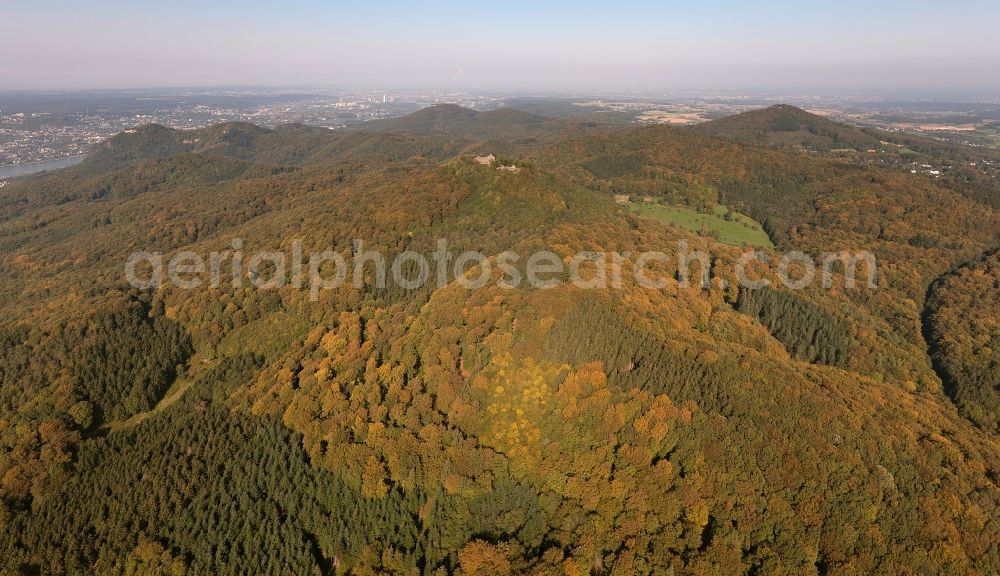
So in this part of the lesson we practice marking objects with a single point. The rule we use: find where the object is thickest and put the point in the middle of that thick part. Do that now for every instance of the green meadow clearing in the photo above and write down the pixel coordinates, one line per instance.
(740, 230)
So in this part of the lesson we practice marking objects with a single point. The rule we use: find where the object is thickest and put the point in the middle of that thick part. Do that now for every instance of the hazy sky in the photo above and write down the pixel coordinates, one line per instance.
(624, 45)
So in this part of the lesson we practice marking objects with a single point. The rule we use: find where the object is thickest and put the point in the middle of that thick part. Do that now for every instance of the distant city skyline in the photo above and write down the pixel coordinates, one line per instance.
(891, 47)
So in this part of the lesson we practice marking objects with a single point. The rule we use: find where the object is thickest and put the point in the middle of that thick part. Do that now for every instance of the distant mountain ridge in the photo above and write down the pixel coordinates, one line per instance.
(464, 122)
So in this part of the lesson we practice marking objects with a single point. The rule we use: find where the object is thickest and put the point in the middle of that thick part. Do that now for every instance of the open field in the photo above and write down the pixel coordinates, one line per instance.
(740, 230)
(667, 117)
(937, 127)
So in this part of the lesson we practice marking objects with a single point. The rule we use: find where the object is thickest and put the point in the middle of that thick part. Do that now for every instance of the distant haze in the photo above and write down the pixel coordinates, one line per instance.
(559, 46)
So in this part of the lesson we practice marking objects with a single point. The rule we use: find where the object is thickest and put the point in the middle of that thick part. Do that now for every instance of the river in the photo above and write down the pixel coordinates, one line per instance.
(16, 170)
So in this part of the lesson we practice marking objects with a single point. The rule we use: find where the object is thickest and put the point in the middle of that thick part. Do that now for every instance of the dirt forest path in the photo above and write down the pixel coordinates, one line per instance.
(176, 391)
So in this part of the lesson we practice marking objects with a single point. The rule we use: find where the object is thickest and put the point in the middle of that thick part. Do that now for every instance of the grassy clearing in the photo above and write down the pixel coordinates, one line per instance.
(740, 230)
(266, 336)
(173, 394)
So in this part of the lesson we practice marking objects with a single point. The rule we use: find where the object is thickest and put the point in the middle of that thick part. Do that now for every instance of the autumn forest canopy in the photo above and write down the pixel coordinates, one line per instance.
(379, 429)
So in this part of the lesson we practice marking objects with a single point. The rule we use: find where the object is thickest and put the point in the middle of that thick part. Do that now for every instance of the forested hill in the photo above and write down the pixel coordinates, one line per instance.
(458, 121)
(785, 125)
(494, 430)
(973, 172)
(290, 144)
